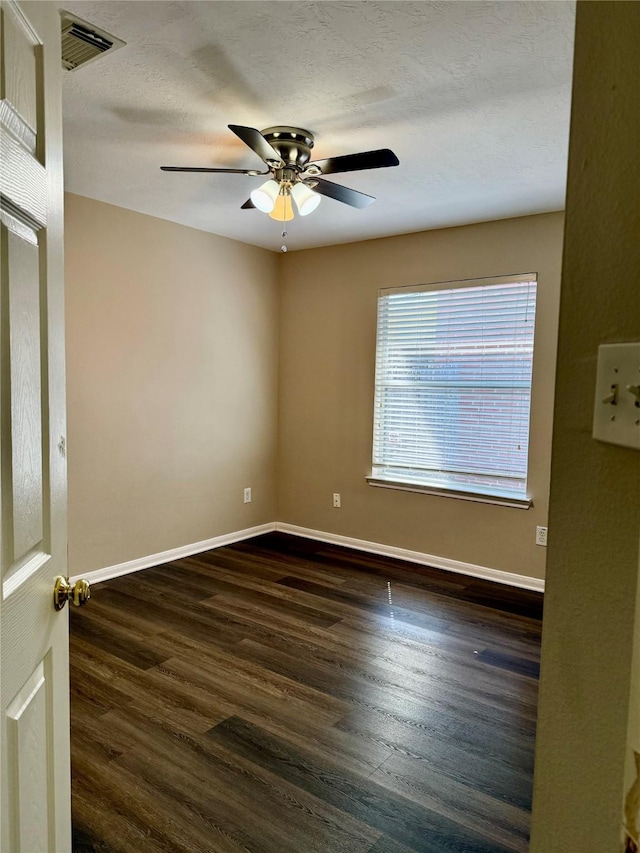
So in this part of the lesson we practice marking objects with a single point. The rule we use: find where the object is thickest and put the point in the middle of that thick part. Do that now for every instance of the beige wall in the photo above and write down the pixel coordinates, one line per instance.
(172, 351)
(172, 384)
(594, 530)
(328, 305)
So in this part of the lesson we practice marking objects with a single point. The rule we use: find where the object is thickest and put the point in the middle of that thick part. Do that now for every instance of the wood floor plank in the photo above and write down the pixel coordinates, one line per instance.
(361, 604)
(371, 569)
(420, 828)
(83, 841)
(412, 637)
(242, 561)
(513, 663)
(463, 675)
(121, 642)
(491, 818)
(346, 562)
(283, 817)
(95, 693)
(451, 695)
(130, 817)
(176, 703)
(269, 697)
(498, 597)
(192, 621)
(204, 684)
(208, 829)
(390, 845)
(102, 608)
(276, 589)
(460, 607)
(252, 593)
(458, 726)
(95, 658)
(263, 614)
(258, 622)
(261, 690)
(274, 606)
(92, 738)
(487, 773)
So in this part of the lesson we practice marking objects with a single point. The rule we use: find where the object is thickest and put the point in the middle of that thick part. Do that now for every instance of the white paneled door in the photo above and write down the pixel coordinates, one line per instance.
(34, 652)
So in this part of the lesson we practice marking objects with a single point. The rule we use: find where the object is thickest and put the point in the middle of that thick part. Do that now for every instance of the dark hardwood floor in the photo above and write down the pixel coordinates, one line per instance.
(285, 696)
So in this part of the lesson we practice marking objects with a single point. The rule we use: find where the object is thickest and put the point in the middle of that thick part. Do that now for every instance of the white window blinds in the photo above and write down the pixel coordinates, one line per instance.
(453, 386)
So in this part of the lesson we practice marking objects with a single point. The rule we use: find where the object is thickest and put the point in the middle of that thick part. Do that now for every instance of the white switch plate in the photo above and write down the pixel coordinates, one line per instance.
(247, 495)
(618, 370)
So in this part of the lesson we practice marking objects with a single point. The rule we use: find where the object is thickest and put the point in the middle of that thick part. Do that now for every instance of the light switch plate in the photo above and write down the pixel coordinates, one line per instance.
(616, 417)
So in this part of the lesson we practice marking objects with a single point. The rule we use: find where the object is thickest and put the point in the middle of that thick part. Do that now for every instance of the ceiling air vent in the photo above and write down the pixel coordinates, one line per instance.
(82, 42)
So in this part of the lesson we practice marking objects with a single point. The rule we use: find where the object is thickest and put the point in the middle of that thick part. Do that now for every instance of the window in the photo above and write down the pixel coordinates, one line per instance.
(453, 388)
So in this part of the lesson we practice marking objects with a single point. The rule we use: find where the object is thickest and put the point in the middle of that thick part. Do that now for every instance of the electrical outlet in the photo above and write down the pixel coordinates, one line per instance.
(247, 495)
(541, 536)
(336, 499)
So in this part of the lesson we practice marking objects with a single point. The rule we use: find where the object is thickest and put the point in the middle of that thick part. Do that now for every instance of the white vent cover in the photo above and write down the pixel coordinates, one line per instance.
(83, 42)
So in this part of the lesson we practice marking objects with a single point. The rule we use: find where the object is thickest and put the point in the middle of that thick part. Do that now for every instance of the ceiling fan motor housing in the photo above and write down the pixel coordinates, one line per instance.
(293, 145)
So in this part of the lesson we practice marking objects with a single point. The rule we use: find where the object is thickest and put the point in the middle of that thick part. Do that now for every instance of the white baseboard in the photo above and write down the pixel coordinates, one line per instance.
(174, 554)
(521, 581)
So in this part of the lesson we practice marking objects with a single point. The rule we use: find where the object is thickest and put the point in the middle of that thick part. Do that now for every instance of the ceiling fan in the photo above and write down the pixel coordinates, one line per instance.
(286, 152)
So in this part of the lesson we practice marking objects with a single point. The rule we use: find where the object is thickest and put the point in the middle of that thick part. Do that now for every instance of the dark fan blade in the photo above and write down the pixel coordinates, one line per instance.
(340, 193)
(248, 205)
(356, 162)
(256, 141)
(202, 169)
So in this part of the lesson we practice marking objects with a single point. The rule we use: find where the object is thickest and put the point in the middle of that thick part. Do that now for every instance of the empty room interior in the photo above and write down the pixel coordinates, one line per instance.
(352, 324)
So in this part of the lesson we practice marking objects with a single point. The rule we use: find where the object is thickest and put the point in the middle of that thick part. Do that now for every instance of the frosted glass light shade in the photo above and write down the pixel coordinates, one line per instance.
(306, 200)
(265, 196)
(282, 209)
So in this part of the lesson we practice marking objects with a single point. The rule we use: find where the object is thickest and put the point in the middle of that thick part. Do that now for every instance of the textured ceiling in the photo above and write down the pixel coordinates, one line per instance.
(473, 97)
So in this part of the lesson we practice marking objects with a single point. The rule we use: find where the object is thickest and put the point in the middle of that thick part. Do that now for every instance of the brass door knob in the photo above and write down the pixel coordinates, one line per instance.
(63, 591)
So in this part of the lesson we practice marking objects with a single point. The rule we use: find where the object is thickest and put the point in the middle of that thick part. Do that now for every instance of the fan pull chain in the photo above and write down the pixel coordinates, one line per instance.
(283, 248)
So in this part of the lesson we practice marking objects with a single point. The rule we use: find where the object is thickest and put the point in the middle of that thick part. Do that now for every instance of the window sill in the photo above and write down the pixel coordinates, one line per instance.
(516, 503)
